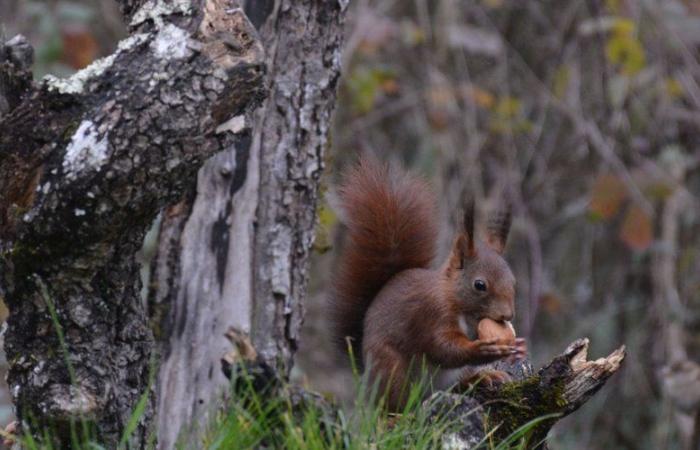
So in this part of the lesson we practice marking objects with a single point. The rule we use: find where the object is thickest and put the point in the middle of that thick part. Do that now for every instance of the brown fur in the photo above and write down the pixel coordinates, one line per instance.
(388, 299)
(391, 228)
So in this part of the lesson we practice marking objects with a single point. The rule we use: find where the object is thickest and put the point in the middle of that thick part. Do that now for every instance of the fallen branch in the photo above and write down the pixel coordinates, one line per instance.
(556, 390)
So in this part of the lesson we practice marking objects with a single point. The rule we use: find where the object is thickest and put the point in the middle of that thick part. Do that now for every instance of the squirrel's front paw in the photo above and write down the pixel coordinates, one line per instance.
(488, 378)
(486, 351)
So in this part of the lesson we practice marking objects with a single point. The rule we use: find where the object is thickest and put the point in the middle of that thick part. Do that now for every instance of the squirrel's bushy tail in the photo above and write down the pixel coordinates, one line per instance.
(391, 221)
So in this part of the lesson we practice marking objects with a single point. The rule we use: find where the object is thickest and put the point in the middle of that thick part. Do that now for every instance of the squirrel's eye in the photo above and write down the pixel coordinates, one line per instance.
(479, 285)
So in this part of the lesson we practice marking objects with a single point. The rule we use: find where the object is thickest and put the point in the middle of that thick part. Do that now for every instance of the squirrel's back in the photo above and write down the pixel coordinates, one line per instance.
(391, 221)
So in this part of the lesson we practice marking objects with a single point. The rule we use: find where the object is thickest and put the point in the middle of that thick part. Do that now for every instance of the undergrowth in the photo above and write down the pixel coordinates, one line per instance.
(284, 418)
(252, 420)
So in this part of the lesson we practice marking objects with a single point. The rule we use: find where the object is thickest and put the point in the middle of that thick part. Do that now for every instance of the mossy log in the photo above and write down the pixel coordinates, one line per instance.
(556, 390)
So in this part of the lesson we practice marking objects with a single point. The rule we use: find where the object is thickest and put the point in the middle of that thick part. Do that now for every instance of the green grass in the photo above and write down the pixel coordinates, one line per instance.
(252, 420)
(255, 419)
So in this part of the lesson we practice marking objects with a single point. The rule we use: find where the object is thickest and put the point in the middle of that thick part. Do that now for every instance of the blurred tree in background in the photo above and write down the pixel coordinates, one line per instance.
(585, 113)
(66, 35)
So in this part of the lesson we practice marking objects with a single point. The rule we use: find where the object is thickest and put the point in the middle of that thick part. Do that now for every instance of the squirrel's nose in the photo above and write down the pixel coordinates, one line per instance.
(507, 317)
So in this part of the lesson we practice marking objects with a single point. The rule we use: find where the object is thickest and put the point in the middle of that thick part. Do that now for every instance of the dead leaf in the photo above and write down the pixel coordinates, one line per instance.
(606, 196)
(637, 229)
(550, 302)
(80, 47)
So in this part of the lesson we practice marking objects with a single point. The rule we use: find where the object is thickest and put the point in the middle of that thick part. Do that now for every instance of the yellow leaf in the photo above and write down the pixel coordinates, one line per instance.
(624, 27)
(613, 5)
(624, 49)
(508, 107)
(479, 96)
(326, 216)
(674, 88)
(561, 80)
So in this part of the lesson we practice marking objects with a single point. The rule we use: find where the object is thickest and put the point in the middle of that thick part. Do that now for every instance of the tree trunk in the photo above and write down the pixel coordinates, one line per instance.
(236, 255)
(86, 163)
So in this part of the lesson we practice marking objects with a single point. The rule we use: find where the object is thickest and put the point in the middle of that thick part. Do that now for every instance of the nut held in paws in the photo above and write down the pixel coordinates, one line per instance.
(492, 329)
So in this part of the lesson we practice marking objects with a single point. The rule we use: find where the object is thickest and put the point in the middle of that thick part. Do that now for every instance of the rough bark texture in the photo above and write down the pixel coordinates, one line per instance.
(86, 163)
(236, 255)
(16, 58)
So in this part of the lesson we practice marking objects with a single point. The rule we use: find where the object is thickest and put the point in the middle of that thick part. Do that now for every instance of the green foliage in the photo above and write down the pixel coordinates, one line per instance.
(508, 116)
(366, 84)
(562, 78)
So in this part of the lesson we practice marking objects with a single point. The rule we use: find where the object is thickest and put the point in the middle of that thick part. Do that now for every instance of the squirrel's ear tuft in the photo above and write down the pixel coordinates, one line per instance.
(460, 252)
(469, 226)
(498, 228)
(464, 247)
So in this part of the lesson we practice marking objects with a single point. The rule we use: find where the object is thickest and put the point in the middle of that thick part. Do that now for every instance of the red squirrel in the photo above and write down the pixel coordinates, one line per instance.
(395, 308)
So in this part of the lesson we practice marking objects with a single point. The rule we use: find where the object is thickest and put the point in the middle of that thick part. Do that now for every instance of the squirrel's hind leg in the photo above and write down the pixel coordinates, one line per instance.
(390, 373)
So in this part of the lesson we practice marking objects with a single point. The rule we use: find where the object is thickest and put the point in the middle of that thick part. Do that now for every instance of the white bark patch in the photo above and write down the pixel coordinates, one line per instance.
(453, 441)
(171, 43)
(235, 125)
(155, 10)
(132, 41)
(75, 84)
(280, 272)
(86, 151)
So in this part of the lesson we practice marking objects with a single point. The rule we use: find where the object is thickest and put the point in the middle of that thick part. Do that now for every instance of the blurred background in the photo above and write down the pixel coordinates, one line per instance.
(586, 113)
